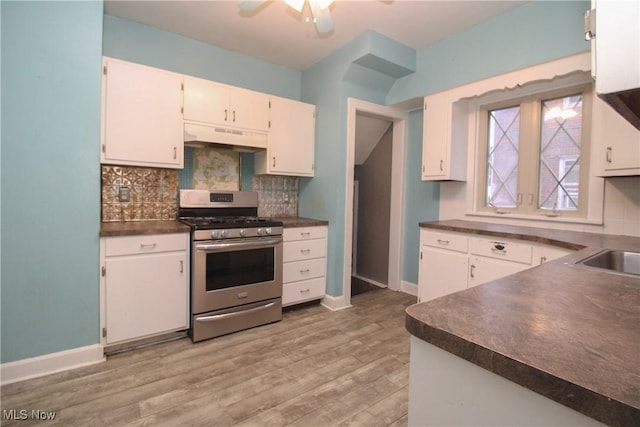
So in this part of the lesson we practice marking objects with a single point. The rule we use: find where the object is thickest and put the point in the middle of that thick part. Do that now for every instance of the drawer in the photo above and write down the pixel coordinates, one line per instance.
(454, 242)
(304, 270)
(304, 249)
(306, 290)
(144, 244)
(501, 249)
(304, 233)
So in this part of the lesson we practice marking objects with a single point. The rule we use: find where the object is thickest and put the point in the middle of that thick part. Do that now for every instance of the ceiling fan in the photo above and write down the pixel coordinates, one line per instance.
(319, 10)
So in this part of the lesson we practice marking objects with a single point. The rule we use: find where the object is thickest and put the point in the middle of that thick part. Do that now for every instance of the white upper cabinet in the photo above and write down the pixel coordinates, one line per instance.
(141, 116)
(617, 45)
(291, 145)
(444, 155)
(616, 143)
(214, 103)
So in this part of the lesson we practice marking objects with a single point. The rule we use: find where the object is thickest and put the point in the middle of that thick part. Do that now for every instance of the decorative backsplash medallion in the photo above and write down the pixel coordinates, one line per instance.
(153, 194)
(277, 195)
(216, 169)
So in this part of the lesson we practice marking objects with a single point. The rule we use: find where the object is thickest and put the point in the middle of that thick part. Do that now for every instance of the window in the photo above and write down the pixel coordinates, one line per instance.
(534, 154)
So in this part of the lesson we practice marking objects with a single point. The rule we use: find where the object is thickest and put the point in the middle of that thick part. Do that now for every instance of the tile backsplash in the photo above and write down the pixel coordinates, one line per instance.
(152, 193)
(277, 195)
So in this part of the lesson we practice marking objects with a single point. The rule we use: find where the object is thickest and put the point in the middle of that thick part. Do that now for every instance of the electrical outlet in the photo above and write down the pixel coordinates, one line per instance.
(285, 197)
(124, 194)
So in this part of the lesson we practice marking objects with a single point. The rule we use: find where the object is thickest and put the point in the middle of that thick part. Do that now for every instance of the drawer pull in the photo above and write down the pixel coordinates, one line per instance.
(305, 291)
(305, 234)
(443, 242)
(305, 251)
(305, 271)
(147, 245)
(499, 251)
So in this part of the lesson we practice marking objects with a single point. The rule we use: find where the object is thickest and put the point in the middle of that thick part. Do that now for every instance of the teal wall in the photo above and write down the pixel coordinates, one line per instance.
(50, 132)
(50, 176)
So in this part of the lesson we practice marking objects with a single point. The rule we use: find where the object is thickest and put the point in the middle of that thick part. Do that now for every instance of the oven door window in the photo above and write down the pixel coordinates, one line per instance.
(237, 268)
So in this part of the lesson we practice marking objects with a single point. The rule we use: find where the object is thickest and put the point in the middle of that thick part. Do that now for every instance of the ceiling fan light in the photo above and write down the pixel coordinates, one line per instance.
(296, 4)
(323, 3)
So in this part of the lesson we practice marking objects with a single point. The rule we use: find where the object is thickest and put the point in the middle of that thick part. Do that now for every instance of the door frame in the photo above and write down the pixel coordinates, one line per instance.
(399, 119)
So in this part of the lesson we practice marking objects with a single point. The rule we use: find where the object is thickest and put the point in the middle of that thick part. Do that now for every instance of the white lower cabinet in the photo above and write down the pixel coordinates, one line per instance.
(144, 286)
(304, 264)
(451, 262)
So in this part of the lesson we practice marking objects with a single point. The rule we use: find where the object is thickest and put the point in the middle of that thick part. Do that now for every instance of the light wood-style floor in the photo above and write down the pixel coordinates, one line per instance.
(314, 368)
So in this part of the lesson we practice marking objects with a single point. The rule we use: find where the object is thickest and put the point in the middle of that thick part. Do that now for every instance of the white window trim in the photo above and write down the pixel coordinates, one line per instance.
(530, 142)
(564, 72)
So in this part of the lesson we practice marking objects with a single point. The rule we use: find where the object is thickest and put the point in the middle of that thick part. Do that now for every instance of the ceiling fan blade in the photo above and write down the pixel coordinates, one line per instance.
(323, 19)
(249, 5)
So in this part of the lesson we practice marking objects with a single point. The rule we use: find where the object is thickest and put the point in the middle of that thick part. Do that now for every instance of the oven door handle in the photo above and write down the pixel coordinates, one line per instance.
(215, 317)
(237, 245)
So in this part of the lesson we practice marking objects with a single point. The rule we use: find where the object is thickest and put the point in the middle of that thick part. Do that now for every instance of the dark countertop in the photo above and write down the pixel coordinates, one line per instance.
(111, 229)
(297, 221)
(568, 333)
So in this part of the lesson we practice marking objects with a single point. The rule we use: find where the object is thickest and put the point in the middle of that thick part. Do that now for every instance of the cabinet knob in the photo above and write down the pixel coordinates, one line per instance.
(441, 165)
(472, 270)
(609, 152)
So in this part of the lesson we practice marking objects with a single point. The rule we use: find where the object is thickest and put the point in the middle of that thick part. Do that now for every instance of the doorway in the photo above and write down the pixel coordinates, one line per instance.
(371, 203)
(398, 120)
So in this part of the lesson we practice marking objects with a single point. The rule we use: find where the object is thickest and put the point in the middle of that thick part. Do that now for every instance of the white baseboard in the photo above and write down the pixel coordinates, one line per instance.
(34, 367)
(409, 288)
(334, 303)
(373, 282)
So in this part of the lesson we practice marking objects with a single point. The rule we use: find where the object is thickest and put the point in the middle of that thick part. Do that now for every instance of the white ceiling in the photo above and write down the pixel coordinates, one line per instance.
(278, 34)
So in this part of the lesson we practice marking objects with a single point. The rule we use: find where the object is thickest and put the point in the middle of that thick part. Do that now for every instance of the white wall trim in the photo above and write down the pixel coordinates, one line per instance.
(399, 119)
(409, 288)
(335, 303)
(34, 367)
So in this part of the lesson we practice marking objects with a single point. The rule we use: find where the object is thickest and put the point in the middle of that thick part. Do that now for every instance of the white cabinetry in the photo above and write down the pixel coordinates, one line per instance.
(304, 264)
(141, 116)
(215, 103)
(443, 264)
(444, 155)
(451, 262)
(492, 259)
(291, 146)
(616, 143)
(144, 286)
(617, 45)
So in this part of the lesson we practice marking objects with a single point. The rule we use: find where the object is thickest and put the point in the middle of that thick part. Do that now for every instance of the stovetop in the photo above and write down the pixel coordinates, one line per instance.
(226, 222)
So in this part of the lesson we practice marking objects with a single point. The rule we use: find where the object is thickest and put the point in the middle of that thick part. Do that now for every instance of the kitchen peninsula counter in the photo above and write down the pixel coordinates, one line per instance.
(133, 228)
(567, 333)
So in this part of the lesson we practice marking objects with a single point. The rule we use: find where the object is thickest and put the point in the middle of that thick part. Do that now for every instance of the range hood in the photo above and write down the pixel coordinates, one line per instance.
(626, 103)
(199, 135)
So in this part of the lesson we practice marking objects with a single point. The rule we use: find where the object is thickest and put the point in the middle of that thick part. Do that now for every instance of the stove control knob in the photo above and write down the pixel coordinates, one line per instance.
(215, 234)
(222, 234)
(267, 230)
(260, 232)
(243, 232)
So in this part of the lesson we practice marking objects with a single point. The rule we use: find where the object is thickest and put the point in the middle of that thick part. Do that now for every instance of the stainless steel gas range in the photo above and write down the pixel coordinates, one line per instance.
(236, 262)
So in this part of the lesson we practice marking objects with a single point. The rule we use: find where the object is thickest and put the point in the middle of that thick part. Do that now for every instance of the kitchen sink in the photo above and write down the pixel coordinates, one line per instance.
(625, 262)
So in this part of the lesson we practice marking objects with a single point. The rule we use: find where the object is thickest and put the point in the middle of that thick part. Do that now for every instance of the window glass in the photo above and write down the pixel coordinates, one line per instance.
(503, 141)
(559, 165)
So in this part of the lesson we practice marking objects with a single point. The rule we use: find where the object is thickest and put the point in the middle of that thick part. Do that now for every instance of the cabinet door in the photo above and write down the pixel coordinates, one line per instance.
(206, 101)
(482, 270)
(249, 110)
(441, 272)
(616, 143)
(142, 118)
(436, 135)
(146, 295)
(291, 148)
